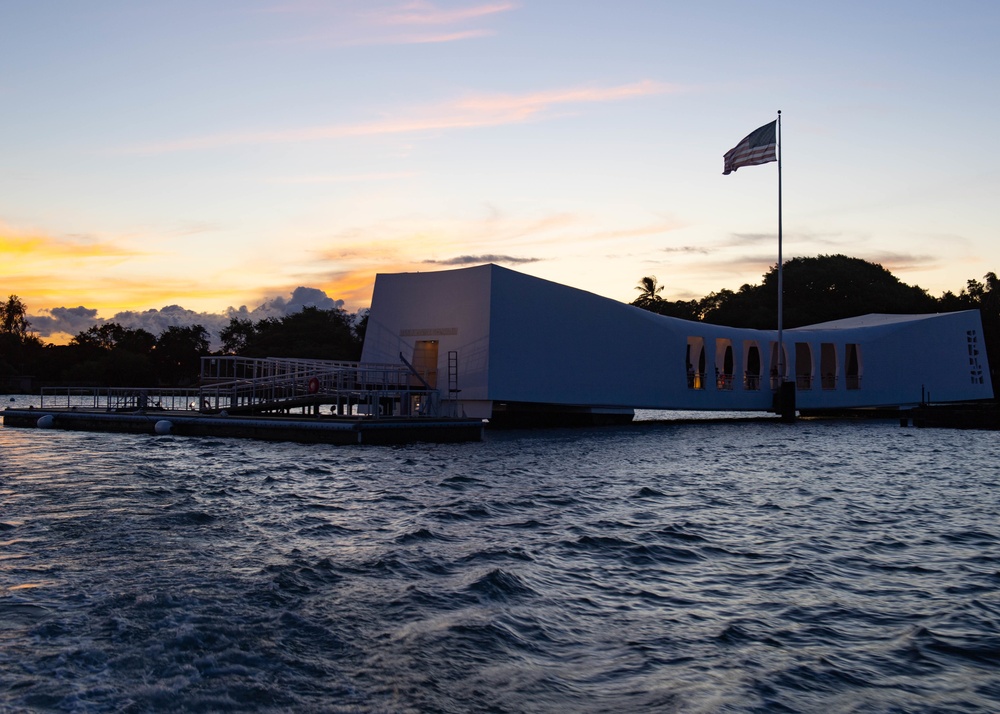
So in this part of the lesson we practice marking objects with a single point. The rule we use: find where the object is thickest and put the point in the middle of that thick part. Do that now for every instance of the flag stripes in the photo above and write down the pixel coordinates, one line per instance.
(759, 147)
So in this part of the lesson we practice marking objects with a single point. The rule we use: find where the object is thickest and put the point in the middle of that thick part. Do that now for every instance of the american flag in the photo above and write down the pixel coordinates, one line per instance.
(757, 148)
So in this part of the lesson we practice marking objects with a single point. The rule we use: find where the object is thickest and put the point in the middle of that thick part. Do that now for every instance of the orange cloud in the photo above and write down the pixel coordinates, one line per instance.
(46, 271)
(355, 287)
(110, 293)
(465, 113)
(19, 249)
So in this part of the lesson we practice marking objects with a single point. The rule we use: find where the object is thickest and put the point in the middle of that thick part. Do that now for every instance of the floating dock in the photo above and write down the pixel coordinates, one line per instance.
(324, 430)
(983, 415)
(270, 399)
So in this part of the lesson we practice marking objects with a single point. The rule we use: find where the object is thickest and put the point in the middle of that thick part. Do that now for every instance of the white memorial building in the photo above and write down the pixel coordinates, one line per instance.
(497, 342)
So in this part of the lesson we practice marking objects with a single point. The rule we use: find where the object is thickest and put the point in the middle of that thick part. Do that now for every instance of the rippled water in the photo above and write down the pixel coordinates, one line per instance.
(824, 566)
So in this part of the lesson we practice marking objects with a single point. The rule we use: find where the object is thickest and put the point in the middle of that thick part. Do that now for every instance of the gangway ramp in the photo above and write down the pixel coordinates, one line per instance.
(247, 385)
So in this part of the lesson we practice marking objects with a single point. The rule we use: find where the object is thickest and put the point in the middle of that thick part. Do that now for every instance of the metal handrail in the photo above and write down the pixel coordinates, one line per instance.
(248, 382)
(119, 398)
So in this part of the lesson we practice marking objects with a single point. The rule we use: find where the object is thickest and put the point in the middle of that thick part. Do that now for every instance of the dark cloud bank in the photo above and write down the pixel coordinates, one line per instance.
(480, 259)
(73, 320)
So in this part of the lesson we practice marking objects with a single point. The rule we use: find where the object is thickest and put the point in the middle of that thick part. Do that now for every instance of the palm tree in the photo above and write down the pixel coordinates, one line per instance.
(649, 292)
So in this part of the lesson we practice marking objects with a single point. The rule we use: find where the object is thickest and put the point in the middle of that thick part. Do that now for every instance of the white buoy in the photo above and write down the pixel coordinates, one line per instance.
(46, 422)
(163, 427)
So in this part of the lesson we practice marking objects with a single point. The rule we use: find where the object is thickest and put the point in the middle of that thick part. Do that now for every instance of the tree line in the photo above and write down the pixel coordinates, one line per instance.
(111, 355)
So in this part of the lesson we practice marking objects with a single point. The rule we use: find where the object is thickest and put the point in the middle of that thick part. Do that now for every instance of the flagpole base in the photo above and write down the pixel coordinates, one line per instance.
(784, 402)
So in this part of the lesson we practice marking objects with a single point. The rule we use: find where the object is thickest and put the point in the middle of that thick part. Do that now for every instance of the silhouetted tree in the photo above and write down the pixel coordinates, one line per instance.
(361, 328)
(828, 287)
(112, 355)
(112, 335)
(14, 318)
(649, 292)
(137, 341)
(311, 333)
(650, 299)
(20, 349)
(178, 354)
(985, 297)
(237, 335)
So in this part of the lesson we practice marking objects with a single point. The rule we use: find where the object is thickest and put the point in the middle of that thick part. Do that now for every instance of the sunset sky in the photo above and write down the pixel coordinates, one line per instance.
(178, 160)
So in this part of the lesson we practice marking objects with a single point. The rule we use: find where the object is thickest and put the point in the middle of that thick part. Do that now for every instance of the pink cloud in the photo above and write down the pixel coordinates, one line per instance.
(419, 12)
(469, 112)
(437, 38)
(374, 23)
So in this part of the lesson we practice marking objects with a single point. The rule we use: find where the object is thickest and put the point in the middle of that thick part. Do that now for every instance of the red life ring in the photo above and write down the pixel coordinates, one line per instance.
(313, 385)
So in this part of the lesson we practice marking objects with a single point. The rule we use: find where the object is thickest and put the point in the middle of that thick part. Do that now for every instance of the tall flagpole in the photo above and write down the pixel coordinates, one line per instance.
(762, 147)
(781, 287)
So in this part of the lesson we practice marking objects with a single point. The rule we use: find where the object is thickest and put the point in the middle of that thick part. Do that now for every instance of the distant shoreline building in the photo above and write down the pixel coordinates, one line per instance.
(498, 343)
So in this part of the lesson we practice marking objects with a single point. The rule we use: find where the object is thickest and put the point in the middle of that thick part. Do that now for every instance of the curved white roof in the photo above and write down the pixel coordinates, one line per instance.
(489, 334)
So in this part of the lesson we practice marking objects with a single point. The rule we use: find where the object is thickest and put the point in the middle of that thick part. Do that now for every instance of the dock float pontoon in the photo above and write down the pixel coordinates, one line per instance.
(326, 430)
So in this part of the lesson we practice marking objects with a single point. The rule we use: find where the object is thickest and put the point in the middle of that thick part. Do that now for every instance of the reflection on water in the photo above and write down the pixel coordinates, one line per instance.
(658, 567)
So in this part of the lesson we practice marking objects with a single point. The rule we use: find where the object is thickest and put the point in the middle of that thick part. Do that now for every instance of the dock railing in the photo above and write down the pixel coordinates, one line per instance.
(256, 385)
(244, 385)
(119, 398)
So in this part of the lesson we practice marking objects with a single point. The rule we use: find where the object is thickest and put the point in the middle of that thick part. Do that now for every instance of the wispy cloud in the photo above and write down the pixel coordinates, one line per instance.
(436, 38)
(343, 178)
(897, 263)
(473, 111)
(688, 249)
(745, 239)
(419, 12)
(638, 232)
(351, 24)
(799, 236)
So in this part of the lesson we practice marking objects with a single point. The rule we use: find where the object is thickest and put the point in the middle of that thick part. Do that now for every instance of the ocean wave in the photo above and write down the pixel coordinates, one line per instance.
(681, 567)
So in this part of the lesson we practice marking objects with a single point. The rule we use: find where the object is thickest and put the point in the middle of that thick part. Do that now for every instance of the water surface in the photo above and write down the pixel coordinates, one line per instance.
(823, 566)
